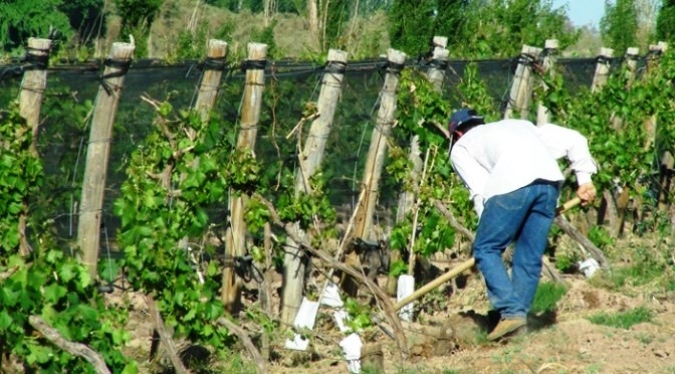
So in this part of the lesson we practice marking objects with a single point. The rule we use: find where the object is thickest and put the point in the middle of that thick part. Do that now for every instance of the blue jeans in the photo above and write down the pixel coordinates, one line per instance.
(524, 216)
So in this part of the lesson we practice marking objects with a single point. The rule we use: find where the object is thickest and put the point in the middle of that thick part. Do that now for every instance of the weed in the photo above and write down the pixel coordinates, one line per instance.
(645, 338)
(548, 294)
(623, 320)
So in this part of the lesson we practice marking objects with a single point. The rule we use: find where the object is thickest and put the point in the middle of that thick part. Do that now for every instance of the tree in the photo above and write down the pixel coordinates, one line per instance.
(665, 21)
(21, 19)
(411, 25)
(499, 28)
(450, 20)
(619, 25)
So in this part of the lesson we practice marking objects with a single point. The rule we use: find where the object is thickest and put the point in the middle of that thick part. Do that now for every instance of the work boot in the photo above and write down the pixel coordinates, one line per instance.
(506, 326)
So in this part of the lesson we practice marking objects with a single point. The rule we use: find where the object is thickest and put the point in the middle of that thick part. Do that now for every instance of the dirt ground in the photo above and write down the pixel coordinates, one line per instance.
(562, 341)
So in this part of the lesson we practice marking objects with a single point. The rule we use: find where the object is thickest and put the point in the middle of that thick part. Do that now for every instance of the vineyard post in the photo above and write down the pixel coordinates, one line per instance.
(632, 55)
(608, 206)
(363, 223)
(665, 180)
(630, 61)
(616, 206)
(521, 88)
(310, 160)
(550, 52)
(209, 86)
(98, 150)
(602, 69)
(250, 116)
(30, 100)
(213, 73)
(436, 75)
(34, 84)
(654, 55)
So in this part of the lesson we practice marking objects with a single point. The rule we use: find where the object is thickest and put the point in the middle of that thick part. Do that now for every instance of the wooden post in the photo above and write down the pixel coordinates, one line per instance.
(98, 150)
(632, 54)
(630, 71)
(521, 88)
(30, 100)
(551, 51)
(665, 180)
(34, 84)
(310, 160)
(363, 223)
(602, 69)
(208, 92)
(213, 73)
(436, 75)
(250, 115)
(655, 51)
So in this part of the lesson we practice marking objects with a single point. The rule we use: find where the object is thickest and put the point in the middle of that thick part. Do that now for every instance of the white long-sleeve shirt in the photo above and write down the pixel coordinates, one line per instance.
(501, 157)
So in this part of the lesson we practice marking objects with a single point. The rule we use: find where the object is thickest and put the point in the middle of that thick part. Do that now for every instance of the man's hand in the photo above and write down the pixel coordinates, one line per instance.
(586, 193)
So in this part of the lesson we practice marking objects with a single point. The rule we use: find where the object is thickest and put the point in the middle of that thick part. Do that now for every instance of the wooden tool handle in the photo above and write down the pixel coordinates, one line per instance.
(464, 266)
(567, 206)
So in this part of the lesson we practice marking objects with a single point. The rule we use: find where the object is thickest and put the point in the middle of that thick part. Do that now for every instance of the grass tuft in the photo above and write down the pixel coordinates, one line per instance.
(547, 296)
(623, 320)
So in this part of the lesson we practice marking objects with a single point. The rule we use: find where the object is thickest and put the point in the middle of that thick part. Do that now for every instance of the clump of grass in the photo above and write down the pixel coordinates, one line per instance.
(547, 296)
(624, 320)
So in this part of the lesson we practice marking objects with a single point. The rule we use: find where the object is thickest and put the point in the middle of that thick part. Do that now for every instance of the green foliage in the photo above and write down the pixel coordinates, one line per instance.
(547, 296)
(619, 25)
(173, 177)
(613, 120)
(359, 315)
(665, 21)
(21, 19)
(20, 178)
(47, 283)
(499, 28)
(410, 25)
(337, 16)
(623, 320)
(600, 237)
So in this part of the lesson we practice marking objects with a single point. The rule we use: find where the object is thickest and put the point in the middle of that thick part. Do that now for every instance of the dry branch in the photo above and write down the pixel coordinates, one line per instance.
(453, 221)
(247, 342)
(577, 236)
(75, 349)
(165, 337)
(387, 306)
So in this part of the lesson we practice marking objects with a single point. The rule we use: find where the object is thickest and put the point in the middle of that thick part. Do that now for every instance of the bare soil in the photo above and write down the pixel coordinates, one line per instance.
(448, 336)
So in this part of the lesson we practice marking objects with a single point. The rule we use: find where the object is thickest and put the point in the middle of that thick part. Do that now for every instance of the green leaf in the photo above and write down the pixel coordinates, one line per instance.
(54, 292)
(5, 320)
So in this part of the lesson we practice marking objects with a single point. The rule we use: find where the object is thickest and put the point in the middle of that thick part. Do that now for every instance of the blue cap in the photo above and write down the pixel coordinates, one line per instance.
(461, 117)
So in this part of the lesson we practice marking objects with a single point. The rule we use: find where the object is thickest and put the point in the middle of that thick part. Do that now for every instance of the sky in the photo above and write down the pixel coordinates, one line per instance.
(583, 12)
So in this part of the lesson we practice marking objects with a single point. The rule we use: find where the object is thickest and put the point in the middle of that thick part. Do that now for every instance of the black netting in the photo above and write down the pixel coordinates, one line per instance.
(71, 92)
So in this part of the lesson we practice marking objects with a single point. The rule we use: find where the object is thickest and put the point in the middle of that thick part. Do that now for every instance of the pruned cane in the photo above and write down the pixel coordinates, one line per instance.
(464, 266)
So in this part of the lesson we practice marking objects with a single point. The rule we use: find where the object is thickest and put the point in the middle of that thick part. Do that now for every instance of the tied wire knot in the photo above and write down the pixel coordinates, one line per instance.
(35, 59)
(335, 67)
(391, 67)
(215, 63)
(253, 65)
(123, 68)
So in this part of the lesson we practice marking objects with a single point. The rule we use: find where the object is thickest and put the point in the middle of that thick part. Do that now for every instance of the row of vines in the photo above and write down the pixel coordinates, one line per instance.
(175, 180)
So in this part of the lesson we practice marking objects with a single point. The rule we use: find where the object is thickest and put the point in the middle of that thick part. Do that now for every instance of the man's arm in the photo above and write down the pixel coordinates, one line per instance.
(472, 173)
(568, 143)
